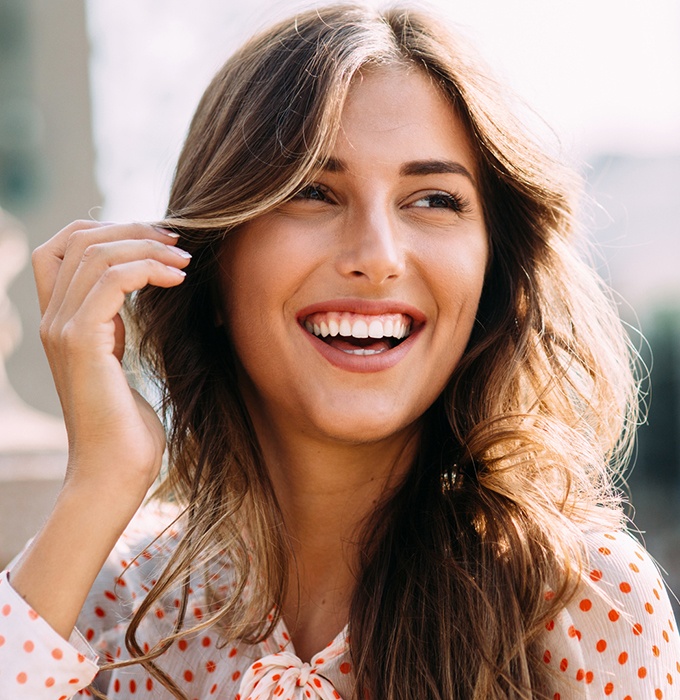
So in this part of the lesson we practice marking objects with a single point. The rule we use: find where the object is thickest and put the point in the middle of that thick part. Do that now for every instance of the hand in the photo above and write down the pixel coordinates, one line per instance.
(83, 274)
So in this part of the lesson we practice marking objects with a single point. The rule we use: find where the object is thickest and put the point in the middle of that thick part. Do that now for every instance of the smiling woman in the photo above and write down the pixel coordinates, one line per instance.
(395, 399)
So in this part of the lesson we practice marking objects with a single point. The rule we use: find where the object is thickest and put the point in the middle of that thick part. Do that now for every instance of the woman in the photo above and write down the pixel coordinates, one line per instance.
(394, 396)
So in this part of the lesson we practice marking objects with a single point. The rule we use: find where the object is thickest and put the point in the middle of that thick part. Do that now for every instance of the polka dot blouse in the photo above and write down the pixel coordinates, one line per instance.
(617, 639)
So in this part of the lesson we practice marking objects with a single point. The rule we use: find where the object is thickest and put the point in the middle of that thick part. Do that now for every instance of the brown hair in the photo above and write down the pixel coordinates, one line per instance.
(516, 454)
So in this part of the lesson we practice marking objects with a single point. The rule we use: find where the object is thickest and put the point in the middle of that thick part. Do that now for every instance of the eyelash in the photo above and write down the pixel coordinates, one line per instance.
(305, 192)
(455, 203)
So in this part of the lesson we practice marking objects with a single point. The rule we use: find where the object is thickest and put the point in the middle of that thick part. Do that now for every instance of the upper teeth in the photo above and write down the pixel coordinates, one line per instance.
(351, 325)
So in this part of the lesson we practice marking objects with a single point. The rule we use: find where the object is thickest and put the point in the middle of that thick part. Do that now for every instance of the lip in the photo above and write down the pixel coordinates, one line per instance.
(364, 363)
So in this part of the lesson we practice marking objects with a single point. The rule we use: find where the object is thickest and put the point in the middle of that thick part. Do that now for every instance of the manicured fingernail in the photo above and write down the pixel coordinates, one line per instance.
(176, 270)
(166, 232)
(179, 251)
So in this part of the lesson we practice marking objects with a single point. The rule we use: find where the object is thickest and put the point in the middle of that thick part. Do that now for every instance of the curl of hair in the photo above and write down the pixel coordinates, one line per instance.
(517, 454)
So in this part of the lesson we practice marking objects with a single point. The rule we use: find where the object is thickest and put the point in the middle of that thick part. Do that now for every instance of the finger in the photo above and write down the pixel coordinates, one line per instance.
(99, 257)
(91, 328)
(47, 259)
(56, 260)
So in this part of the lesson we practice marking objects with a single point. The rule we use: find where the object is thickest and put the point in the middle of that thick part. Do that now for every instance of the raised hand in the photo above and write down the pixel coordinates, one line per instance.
(116, 441)
(83, 275)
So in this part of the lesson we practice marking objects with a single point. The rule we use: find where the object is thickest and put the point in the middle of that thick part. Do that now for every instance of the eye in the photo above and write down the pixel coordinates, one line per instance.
(441, 200)
(314, 192)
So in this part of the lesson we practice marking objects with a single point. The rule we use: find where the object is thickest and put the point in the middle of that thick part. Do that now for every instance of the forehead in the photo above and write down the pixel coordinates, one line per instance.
(396, 114)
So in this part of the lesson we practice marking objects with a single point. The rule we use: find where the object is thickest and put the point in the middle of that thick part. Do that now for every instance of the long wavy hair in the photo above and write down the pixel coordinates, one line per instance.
(517, 454)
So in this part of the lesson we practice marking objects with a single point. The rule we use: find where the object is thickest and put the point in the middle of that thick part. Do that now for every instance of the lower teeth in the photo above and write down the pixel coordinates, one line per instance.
(364, 351)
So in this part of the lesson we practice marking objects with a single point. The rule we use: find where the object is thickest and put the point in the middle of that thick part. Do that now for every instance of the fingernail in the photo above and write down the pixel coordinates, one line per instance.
(166, 232)
(178, 251)
(176, 270)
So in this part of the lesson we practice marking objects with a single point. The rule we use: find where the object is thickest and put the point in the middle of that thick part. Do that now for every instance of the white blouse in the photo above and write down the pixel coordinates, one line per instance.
(616, 639)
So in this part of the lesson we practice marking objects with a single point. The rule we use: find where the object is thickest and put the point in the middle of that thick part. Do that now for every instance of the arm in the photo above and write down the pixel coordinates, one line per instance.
(115, 439)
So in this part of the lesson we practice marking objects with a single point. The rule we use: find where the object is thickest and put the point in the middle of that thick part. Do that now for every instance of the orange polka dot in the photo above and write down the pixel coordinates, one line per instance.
(345, 667)
(550, 625)
(623, 657)
(664, 634)
(634, 567)
(625, 587)
(610, 537)
(669, 678)
(99, 612)
(549, 595)
(116, 686)
(564, 664)
(210, 666)
(585, 605)
(613, 615)
(601, 645)
(604, 550)
(57, 654)
(206, 641)
(547, 656)
(595, 575)
(182, 644)
(235, 675)
(49, 682)
(656, 594)
(188, 676)
(670, 624)
(6, 610)
(133, 686)
(658, 694)
(589, 677)
(160, 614)
(318, 662)
(233, 652)
(655, 650)
(627, 698)
(609, 689)
(149, 684)
(2, 640)
(22, 678)
(573, 632)
(580, 674)
(642, 672)
(29, 646)
(32, 614)
(637, 629)
(649, 608)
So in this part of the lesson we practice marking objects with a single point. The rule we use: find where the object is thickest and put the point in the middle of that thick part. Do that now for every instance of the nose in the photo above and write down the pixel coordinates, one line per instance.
(371, 247)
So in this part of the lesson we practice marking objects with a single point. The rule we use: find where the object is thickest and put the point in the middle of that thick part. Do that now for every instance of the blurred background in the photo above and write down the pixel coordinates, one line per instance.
(95, 97)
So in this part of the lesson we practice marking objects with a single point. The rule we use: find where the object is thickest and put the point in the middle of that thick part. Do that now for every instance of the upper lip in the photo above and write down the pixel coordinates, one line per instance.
(369, 307)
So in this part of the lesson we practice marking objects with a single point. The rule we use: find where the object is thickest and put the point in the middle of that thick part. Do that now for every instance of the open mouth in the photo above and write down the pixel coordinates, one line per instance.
(359, 334)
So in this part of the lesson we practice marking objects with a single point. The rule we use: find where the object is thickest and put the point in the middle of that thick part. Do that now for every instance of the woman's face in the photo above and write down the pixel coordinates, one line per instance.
(350, 305)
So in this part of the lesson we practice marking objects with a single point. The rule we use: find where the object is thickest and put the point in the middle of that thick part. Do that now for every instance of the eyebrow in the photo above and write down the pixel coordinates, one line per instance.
(432, 166)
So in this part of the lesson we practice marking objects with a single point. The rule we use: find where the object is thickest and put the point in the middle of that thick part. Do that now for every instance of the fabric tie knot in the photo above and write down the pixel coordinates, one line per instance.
(284, 675)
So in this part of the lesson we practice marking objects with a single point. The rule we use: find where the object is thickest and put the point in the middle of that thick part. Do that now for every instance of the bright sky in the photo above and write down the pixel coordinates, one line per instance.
(604, 73)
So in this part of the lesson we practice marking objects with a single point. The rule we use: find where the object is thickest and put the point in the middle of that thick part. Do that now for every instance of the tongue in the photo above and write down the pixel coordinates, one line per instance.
(341, 343)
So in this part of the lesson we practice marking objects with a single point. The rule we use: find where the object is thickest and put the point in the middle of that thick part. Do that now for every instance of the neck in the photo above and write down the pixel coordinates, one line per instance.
(326, 492)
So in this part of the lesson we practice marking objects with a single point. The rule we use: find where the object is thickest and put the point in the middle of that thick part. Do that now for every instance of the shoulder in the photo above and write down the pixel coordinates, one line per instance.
(129, 573)
(618, 635)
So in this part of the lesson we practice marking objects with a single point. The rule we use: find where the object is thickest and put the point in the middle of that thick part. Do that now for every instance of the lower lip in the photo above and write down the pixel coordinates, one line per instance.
(362, 363)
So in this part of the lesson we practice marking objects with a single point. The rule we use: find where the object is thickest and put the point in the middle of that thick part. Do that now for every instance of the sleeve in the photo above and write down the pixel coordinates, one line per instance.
(618, 637)
(36, 663)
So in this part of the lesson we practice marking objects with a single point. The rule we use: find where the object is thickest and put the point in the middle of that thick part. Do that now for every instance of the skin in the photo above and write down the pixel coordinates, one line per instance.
(335, 439)
(373, 228)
